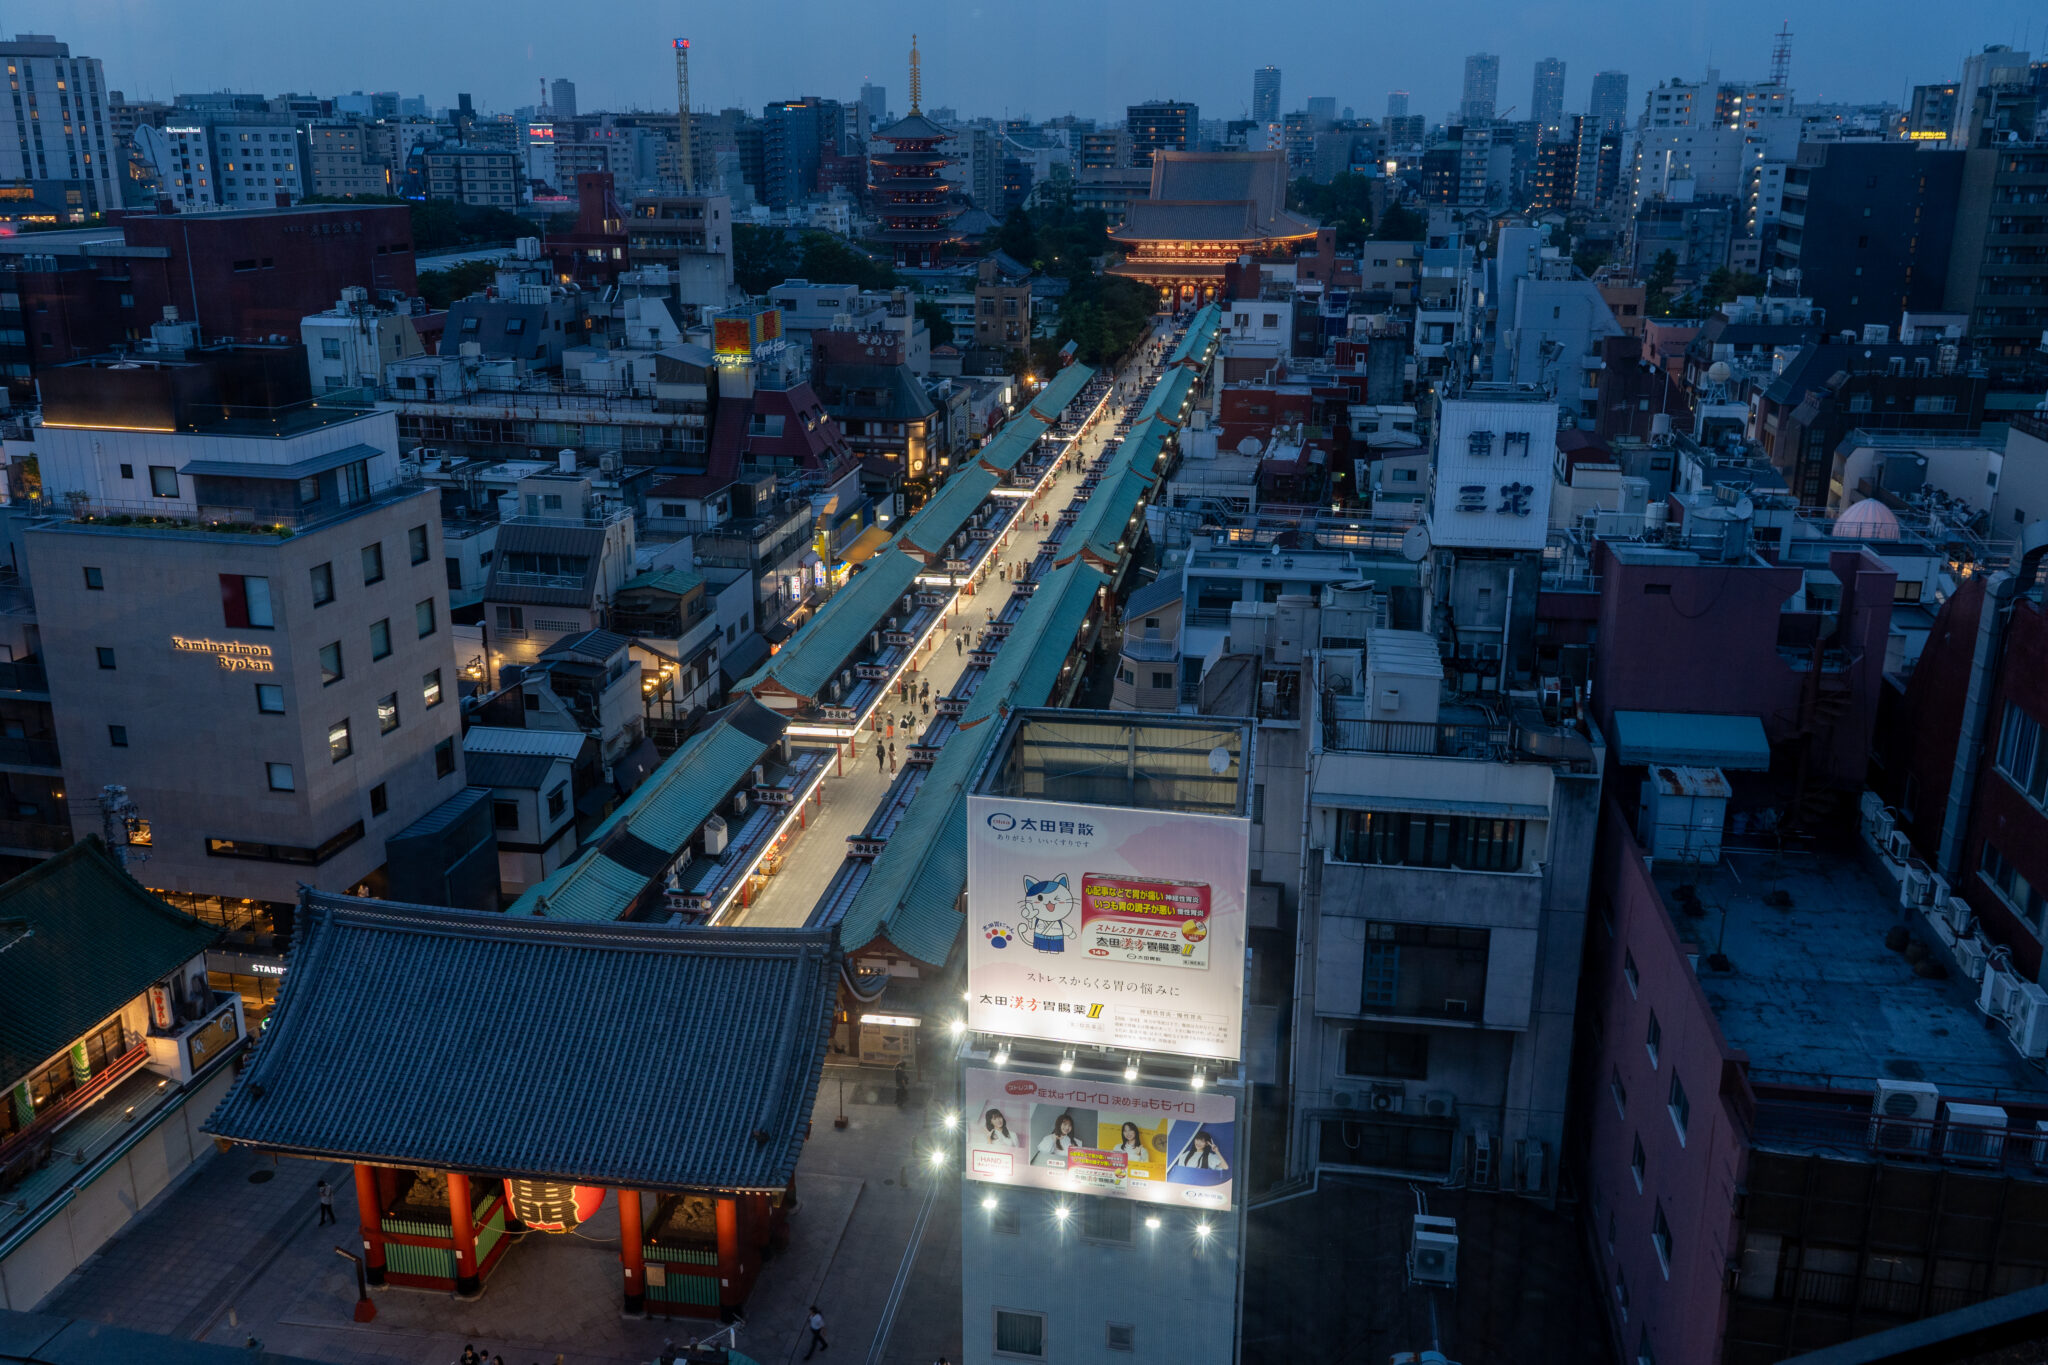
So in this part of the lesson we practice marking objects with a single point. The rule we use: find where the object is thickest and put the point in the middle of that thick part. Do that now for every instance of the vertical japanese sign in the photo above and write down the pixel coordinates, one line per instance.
(1106, 925)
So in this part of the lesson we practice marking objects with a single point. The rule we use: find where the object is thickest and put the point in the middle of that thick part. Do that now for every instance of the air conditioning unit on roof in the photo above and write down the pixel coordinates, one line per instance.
(1897, 845)
(2027, 1019)
(1995, 996)
(1971, 956)
(1959, 915)
(1902, 1116)
(1433, 1256)
(1975, 1134)
(1915, 884)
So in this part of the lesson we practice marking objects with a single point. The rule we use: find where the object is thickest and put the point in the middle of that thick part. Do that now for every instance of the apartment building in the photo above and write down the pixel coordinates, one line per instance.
(475, 175)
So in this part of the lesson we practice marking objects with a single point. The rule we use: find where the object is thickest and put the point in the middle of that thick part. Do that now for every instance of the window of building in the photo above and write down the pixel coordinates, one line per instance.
(280, 777)
(2021, 756)
(380, 639)
(444, 758)
(1106, 1220)
(1653, 1037)
(373, 563)
(117, 735)
(1386, 1053)
(1621, 1292)
(505, 815)
(163, 481)
(430, 689)
(127, 471)
(270, 699)
(558, 800)
(1660, 1237)
(1409, 839)
(338, 744)
(380, 800)
(2018, 891)
(330, 348)
(1638, 1163)
(387, 713)
(106, 656)
(323, 584)
(416, 542)
(1680, 1106)
(1425, 970)
(423, 617)
(330, 664)
(1020, 1334)
(1629, 972)
(512, 618)
(245, 602)
(1162, 679)
(94, 579)
(1620, 1093)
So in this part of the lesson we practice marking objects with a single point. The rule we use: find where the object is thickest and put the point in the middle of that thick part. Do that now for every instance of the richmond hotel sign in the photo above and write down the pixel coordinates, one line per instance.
(233, 655)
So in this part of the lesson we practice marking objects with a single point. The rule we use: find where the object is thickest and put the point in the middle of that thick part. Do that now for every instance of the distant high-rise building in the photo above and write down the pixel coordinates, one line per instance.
(562, 98)
(1996, 65)
(1322, 109)
(875, 99)
(1266, 95)
(1933, 113)
(1609, 106)
(1397, 104)
(1546, 98)
(1482, 88)
(38, 151)
(1162, 125)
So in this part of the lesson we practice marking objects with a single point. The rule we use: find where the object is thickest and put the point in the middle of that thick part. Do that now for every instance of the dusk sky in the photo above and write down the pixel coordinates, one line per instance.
(1043, 59)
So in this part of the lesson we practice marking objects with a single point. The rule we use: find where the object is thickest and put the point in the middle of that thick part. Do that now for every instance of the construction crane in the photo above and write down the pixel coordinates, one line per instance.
(686, 170)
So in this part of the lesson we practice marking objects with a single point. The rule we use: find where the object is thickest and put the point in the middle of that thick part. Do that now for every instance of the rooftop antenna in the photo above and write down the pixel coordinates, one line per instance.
(1781, 57)
(686, 169)
(542, 110)
(916, 79)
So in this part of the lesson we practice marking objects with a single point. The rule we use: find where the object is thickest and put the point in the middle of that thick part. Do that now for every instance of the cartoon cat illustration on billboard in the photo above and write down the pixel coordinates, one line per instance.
(1048, 912)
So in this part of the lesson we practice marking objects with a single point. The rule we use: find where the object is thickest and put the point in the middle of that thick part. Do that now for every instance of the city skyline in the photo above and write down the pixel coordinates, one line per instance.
(1873, 55)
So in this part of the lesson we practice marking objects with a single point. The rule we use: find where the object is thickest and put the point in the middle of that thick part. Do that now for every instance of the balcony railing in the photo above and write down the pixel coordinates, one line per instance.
(23, 675)
(36, 835)
(29, 753)
(1440, 740)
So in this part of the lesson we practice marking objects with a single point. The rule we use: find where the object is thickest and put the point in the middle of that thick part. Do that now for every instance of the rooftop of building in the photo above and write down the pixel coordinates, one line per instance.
(1812, 991)
(1106, 758)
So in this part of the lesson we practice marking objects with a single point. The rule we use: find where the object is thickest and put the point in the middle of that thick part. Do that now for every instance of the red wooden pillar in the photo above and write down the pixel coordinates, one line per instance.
(370, 1218)
(731, 1255)
(461, 1216)
(633, 1250)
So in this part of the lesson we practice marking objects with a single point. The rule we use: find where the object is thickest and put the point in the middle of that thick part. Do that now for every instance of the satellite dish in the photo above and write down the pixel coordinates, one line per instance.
(1719, 372)
(1219, 760)
(1415, 543)
(1250, 445)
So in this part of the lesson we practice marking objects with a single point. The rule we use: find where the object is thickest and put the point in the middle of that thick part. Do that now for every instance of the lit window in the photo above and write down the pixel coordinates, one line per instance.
(338, 744)
(430, 689)
(387, 713)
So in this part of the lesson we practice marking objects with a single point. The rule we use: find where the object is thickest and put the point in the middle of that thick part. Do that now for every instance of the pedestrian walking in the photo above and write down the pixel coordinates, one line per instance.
(326, 1204)
(892, 755)
(881, 761)
(927, 710)
(816, 1322)
(959, 647)
(469, 1355)
(902, 1084)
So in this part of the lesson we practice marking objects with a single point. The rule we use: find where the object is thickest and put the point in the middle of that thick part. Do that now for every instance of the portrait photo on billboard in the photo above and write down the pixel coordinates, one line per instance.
(1087, 1137)
(1107, 925)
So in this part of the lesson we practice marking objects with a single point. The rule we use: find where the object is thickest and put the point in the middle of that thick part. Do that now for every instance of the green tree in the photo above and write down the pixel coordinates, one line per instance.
(762, 257)
(1663, 271)
(1344, 204)
(442, 287)
(1590, 258)
(1401, 224)
(1725, 284)
(1017, 238)
(1104, 315)
(936, 322)
(826, 259)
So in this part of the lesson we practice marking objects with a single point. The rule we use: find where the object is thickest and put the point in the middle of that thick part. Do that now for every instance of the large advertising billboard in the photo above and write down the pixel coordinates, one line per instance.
(1106, 926)
(1088, 1137)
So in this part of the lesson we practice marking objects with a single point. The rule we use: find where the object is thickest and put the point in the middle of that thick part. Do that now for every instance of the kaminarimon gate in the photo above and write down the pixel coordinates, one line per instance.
(494, 1078)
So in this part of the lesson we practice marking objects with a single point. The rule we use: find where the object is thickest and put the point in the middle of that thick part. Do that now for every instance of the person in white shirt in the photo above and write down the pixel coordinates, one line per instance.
(1060, 1140)
(1201, 1153)
(1132, 1143)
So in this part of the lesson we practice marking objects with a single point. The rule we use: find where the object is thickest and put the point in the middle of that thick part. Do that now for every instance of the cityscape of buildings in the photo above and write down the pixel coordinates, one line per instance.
(1297, 737)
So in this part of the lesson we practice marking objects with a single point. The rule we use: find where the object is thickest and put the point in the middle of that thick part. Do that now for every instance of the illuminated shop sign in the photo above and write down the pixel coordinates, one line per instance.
(234, 655)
